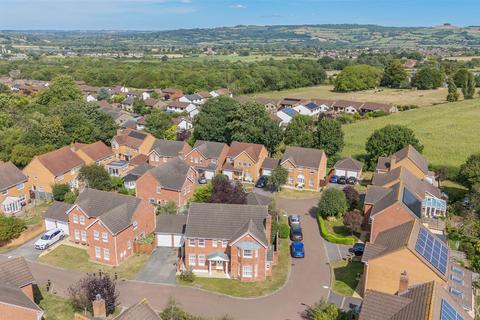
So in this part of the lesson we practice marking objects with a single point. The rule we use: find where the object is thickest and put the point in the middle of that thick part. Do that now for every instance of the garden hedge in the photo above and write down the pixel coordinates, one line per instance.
(332, 237)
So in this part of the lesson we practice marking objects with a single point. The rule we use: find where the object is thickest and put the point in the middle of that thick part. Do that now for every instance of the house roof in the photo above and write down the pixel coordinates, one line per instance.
(179, 104)
(193, 97)
(415, 156)
(171, 175)
(96, 151)
(60, 161)
(289, 111)
(171, 223)
(270, 163)
(139, 159)
(303, 157)
(347, 103)
(10, 175)
(252, 149)
(328, 103)
(266, 101)
(150, 102)
(139, 311)
(204, 94)
(168, 148)
(137, 172)
(209, 149)
(57, 211)
(348, 164)
(16, 272)
(12, 295)
(374, 106)
(398, 193)
(131, 138)
(257, 199)
(225, 221)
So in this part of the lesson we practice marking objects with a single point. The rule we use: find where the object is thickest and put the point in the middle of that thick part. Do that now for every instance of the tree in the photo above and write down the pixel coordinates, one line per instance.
(211, 124)
(171, 133)
(323, 310)
(60, 190)
(85, 291)
(139, 107)
(468, 87)
(299, 132)
(470, 171)
(394, 75)
(441, 173)
(452, 95)
(353, 197)
(173, 311)
(10, 228)
(70, 197)
(388, 140)
(103, 94)
(4, 88)
(333, 203)
(278, 178)
(157, 123)
(428, 77)
(357, 77)
(329, 136)
(61, 89)
(95, 177)
(168, 208)
(225, 191)
(202, 193)
(354, 220)
(460, 77)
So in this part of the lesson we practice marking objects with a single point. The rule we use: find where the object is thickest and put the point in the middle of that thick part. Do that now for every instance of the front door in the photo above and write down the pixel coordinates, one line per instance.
(218, 265)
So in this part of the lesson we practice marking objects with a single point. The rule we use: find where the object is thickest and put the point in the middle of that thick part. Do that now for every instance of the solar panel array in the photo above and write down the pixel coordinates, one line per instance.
(448, 312)
(433, 250)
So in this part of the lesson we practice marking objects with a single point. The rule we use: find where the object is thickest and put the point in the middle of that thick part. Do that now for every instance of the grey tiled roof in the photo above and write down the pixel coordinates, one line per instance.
(270, 163)
(13, 295)
(10, 175)
(171, 175)
(137, 172)
(171, 223)
(168, 148)
(348, 164)
(304, 157)
(254, 198)
(251, 228)
(57, 211)
(139, 311)
(224, 221)
(209, 149)
(16, 272)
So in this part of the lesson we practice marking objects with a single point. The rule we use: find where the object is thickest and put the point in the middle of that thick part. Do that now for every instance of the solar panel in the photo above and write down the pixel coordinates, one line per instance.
(137, 135)
(412, 202)
(432, 249)
(448, 312)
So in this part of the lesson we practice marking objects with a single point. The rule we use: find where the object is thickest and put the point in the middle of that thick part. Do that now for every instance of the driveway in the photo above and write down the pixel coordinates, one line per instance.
(336, 251)
(160, 267)
(26, 250)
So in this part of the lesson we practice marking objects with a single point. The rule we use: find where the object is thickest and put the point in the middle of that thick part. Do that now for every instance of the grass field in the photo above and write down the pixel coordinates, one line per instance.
(345, 276)
(393, 96)
(449, 132)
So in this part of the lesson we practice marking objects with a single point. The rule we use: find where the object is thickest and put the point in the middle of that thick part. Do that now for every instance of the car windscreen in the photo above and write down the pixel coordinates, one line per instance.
(45, 237)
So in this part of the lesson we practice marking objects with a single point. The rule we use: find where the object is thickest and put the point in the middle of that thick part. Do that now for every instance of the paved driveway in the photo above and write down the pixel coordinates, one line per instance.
(160, 267)
(336, 251)
(26, 250)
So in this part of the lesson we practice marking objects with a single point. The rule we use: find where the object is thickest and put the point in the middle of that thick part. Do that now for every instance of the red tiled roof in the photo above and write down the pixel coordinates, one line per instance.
(96, 151)
(252, 149)
(60, 161)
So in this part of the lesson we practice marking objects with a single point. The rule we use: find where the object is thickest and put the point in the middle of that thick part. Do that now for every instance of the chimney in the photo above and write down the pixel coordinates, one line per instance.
(403, 284)
(393, 163)
(99, 309)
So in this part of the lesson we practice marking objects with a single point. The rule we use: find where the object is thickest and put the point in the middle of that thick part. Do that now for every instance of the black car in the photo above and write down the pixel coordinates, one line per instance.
(342, 180)
(351, 180)
(358, 249)
(202, 180)
(262, 182)
(296, 233)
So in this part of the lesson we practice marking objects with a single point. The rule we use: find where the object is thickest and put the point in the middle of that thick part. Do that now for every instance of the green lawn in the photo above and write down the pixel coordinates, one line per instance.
(35, 215)
(68, 257)
(345, 276)
(336, 227)
(449, 132)
(238, 288)
(297, 194)
(56, 308)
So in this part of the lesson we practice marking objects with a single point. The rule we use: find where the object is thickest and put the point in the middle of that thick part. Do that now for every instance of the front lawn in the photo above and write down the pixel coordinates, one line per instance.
(56, 308)
(297, 194)
(335, 226)
(68, 257)
(345, 276)
(238, 288)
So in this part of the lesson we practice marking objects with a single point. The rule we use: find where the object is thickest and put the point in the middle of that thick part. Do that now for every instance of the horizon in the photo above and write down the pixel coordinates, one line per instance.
(166, 15)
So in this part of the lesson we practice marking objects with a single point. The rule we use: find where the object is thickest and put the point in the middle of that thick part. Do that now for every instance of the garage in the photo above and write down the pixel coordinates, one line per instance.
(268, 165)
(340, 173)
(352, 174)
(56, 216)
(170, 230)
(209, 174)
(348, 167)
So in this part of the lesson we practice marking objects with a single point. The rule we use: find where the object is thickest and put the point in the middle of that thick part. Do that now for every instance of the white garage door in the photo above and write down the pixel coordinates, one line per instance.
(229, 174)
(266, 172)
(340, 173)
(52, 224)
(177, 241)
(352, 174)
(164, 240)
(209, 175)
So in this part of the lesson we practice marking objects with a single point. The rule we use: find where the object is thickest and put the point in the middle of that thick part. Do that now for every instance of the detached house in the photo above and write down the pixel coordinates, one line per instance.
(306, 167)
(314, 108)
(192, 98)
(244, 161)
(108, 223)
(181, 106)
(164, 150)
(375, 107)
(347, 106)
(173, 181)
(128, 143)
(14, 193)
(229, 240)
(94, 153)
(286, 115)
(55, 167)
(207, 157)
(171, 93)
(221, 92)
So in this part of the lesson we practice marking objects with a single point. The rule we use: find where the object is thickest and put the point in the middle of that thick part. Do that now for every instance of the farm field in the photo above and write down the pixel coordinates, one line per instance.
(383, 95)
(449, 132)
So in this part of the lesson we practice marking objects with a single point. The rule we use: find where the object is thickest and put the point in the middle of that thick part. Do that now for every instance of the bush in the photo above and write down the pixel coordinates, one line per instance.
(10, 228)
(70, 197)
(187, 276)
(331, 237)
(283, 231)
(333, 203)
(84, 292)
(59, 191)
(168, 208)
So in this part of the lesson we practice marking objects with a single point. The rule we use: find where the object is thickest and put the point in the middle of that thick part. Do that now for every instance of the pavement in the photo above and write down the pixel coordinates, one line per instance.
(160, 267)
(336, 251)
(26, 250)
(308, 282)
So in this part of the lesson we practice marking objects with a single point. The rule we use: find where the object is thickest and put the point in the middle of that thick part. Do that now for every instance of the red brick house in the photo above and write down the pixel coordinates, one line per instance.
(207, 157)
(229, 240)
(164, 150)
(16, 291)
(108, 223)
(173, 181)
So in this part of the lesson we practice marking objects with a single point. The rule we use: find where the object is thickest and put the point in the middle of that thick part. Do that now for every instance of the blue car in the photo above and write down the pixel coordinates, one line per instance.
(334, 179)
(297, 250)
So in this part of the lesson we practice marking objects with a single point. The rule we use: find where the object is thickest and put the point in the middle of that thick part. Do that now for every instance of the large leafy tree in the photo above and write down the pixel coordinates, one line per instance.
(468, 87)
(333, 203)
(85, 291)
(212, 123)
(157, 123)
(226, 191)
(96, 177)
(278, 178)
(388, 140)
(357, 77)
(470, 171)
(428, 77)
(329, 136)
(10, 228)
(460, 77)
(394, 75)
(61, 89)
(299, 132)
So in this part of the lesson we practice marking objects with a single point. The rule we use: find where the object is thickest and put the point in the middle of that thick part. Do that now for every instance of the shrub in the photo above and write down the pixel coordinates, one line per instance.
(70, 197)
(84, 292)
(283, 231)
(59, 191)
(187, 276)
(168, 208)
(331, 237)
(10, 228)
(333, 203)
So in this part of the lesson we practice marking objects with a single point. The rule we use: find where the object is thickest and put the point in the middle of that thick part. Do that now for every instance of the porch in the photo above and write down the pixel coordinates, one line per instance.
(218, 265)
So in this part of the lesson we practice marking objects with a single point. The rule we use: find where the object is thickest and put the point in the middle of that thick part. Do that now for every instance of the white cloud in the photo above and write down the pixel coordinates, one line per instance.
(238, 6)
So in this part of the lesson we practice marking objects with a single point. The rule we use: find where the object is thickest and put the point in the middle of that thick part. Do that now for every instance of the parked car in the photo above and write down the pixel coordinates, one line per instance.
(49, 238)
(294, 220)
(466, 202)
(202, 180)
(342, 180)
(296, 233)
(262, 182)
(297, 250)
(358, 248)
(334, 179)
(351, 180)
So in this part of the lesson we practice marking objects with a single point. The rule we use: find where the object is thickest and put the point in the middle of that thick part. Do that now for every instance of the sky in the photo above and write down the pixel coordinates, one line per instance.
(176, 14)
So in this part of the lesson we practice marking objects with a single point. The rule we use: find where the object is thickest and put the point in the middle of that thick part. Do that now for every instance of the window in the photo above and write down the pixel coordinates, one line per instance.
(290, 180)
(247, 271)
(457, 270)
(159, 189)
(104, 237)
(151, 200)
(201, 243)
(77, 234)
(224, 243)
(456, 292)
(247, 253)
(456, 279)
(135, 225)
(201, 259)
(191, 259)
(106, 254)
(312, 171)
(214, 243)
(75, 218)
(96, 235)
(82, 220)
(20, 186)
(84, 235)
(129, 244)
(97, 253)
(191, 242)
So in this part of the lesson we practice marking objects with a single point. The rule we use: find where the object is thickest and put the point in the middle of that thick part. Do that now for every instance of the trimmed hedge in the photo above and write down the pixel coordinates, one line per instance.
(284, 231)
(332, 237)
